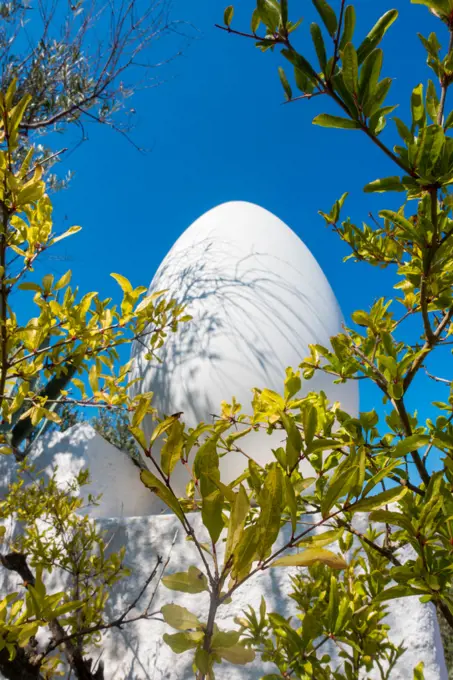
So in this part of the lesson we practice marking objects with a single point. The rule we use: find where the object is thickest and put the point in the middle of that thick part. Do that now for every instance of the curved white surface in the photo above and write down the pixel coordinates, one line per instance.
(112, 473)
(258, 299)
(138, 652)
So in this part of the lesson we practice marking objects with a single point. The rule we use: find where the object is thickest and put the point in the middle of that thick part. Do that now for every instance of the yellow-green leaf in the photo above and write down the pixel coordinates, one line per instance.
(374, 502)
(93, 378)
(68, 232)
(326, 120)
(321, 540)
(163, 492)
(65, 279)
(237, 654)
(181, 642)
(228, 15)
(225, 638)
(270, 500)
(140, 411)
(311, 556)
(192, 581)
(124, 284)
(172, 448)
(161, 428)
(238, 515)
(179, 618)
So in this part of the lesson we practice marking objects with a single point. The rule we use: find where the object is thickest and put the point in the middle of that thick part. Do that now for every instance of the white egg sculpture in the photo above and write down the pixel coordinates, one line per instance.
(258, 298)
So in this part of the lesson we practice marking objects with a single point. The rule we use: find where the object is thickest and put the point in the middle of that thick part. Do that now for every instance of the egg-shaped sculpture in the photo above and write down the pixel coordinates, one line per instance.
(258, 299)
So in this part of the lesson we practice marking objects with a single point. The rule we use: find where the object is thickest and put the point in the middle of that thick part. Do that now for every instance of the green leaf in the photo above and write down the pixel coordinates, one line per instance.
(384, 184)
(161, 428)
(17, 113)
(321, 540)
(291, 503)
(294, 441)
(284, 11)
(93, 378)
(374, 502)
(302, 64)
(256, 20)
(27, 631)
(270, 500)
(30, 194)
(376, 34)
(409, 444)
(311, 556)
(269, 12)
(332, 609)
(379, 476)
(369, 78)
(432, 101)
(206, 468)
(350, 69)
(327, 15)
(349, 26)
(404, 131)
(124, 284)
(245, 553)
(341, 483)
(377, 98)
(64, 609)
(203, 660)
(310, 424)
(192, 581)
(238, 654)
(163, 492)
(225, 638)
(318, 42)
(181, 642)
(449, 121)
(285, 84)
(69, 232)
(326, 120)
(238, 515)
(417, 107)
(293, 383)
(401, 222)
(179, 617)
(212, 515)
(395, 518)
(172, 448)
(140, 411)
(29, 285)
(419, 668)
(228, 15)
(63, 281)
(396, 592)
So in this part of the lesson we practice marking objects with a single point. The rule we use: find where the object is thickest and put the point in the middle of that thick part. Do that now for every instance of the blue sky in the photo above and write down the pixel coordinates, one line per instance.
(218, 132)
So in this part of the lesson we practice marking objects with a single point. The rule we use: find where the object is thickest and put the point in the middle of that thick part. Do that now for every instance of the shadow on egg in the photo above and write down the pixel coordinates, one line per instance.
(258, 299)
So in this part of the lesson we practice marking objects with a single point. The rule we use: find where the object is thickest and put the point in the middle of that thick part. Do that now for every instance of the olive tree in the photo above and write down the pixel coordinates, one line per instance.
(82, 62)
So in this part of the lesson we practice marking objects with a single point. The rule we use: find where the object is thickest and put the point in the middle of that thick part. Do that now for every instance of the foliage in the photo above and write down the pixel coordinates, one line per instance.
(56, 538)
(337, 610)
(114, 427)
(302, 509)
(46, 362)
(398, 468)
(81, 62)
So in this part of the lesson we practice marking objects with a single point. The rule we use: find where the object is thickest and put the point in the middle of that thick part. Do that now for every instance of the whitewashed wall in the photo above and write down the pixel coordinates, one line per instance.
(137, 652)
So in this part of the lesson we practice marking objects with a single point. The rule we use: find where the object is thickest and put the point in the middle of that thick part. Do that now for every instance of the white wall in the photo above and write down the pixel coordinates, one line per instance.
(137, 652)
